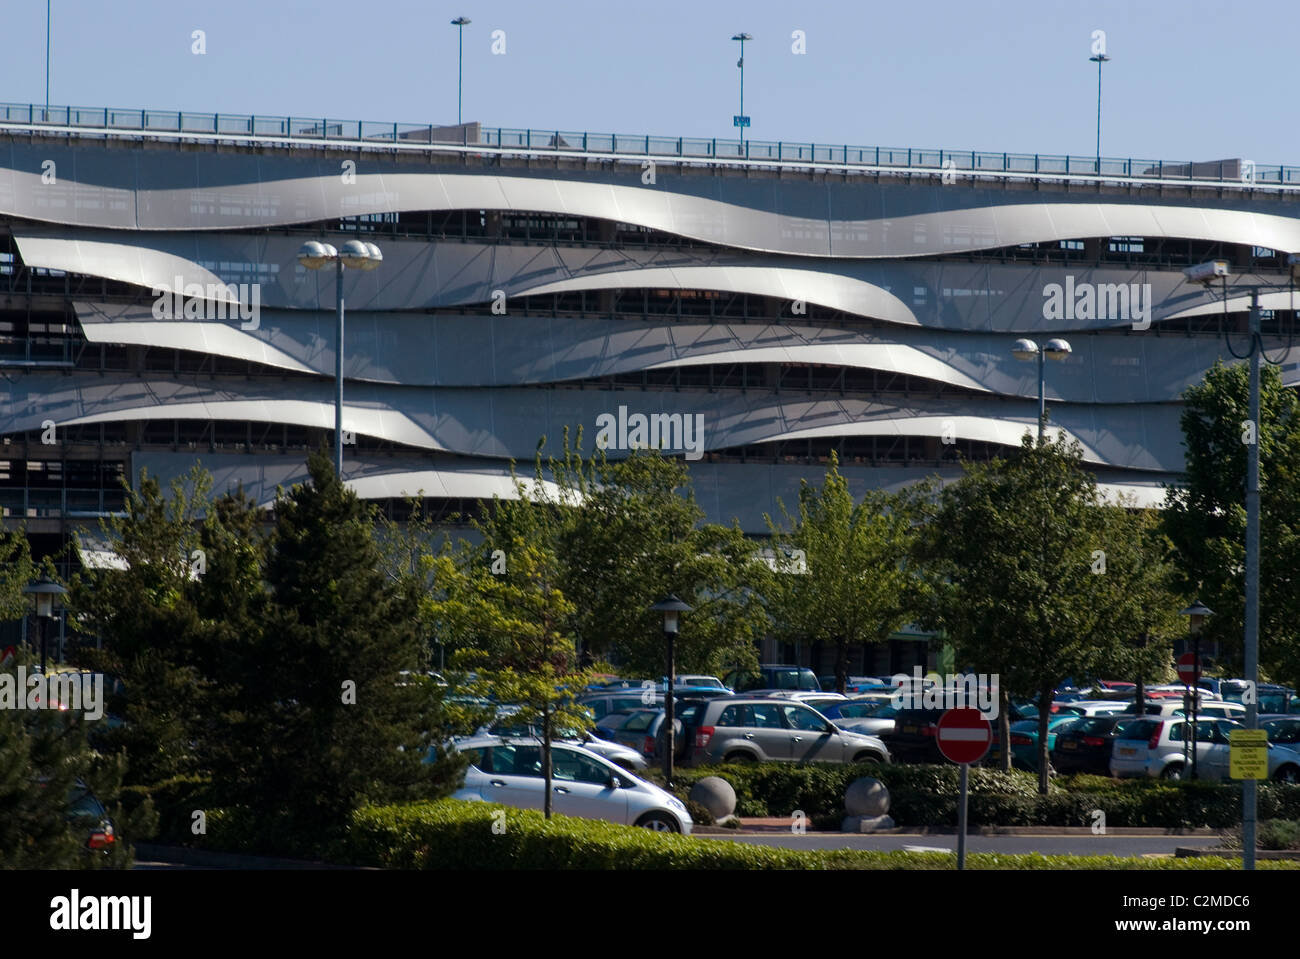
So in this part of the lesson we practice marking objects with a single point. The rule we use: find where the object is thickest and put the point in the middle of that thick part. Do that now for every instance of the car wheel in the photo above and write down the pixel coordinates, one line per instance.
(1287, 774)
(740, 758)
(1173, 771)
(868, 758)
(658, 822)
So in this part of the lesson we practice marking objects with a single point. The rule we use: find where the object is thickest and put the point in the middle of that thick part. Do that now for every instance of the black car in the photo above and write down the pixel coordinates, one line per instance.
(914, 739)
(1282, 730)
(1086, 746)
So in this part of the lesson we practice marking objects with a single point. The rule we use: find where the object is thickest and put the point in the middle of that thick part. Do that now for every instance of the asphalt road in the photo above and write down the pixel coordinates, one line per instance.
(1088, 845)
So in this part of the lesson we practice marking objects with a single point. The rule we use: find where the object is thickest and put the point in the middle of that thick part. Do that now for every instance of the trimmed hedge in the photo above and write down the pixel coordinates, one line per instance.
(449, 834)
(926, 795)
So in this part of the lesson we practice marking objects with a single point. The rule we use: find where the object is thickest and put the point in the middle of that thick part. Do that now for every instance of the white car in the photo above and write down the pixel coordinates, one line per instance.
(1092, 707)
(1221, 710)
(697, 680)
(509, 771)
(815, 700)
(1157, 747)
(615, 752)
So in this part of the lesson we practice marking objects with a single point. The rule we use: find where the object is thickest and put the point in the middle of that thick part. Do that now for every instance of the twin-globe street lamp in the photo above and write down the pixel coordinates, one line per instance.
(670, 606)
(355, 255)
(1054, 349)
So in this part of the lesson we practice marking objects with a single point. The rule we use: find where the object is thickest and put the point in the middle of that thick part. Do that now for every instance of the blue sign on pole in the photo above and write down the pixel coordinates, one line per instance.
(740, 121)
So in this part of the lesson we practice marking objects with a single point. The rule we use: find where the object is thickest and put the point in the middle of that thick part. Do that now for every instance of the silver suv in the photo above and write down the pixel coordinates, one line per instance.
(750, 729)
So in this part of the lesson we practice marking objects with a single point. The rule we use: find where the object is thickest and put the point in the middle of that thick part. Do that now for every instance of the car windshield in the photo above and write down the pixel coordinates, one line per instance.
(1088, 726)
(1137, 729)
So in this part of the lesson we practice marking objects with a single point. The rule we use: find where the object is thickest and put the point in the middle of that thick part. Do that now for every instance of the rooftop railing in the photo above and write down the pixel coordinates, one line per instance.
(948, 165)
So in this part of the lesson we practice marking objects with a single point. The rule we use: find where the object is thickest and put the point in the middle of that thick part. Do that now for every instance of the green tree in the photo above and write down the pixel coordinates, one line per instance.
(145, 616)
(1021, 575)
(845, 566)
(518, 617)
(334, 711)
(45, 762)
(630, 532)
(1205, 516)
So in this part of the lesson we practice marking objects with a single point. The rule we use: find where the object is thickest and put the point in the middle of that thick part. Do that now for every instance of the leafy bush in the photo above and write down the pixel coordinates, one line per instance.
(449, 834)
(926, 795)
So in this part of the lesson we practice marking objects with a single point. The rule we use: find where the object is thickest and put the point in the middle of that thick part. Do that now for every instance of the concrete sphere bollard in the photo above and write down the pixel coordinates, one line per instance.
(866, 797)
(716, 795)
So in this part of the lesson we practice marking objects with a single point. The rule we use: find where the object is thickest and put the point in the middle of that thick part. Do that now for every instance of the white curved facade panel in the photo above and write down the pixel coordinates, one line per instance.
(798, 217)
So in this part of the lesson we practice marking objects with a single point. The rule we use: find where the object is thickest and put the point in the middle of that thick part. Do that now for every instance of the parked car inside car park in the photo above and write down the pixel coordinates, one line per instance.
(509, 771)
(628, 758)
(698, 681)
(1086, 746)
(874, 716)
(1283, 730)
(1085, 707)
(1024, 741)
(773, 676)
(630, 729)
(602, 704)
(1156, 747)
(745, 729)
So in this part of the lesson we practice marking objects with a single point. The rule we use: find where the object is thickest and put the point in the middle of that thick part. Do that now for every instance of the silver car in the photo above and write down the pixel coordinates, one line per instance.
(752, 729)
(1158, 747)
(508, 770)
(613, 751)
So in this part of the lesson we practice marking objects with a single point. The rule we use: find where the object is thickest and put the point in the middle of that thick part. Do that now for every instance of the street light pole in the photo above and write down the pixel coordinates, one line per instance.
(1055, 349)
(460, 23)
(1250, 791)
(1099, 59)
(670, 606)
(359, 256)
(47, 59)
(742, 37)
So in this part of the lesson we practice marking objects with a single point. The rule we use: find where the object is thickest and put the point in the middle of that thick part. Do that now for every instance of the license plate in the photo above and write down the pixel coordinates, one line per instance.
(1069, 745)
(1127, 752)
(909, 729)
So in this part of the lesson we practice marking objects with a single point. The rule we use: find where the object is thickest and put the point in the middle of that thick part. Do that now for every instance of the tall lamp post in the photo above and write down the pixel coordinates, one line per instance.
(1207, 273)
(44, 589)
(741, 120)
(670, 606)
(460, 23)
(1196, 615)
(47, 60)
(1055, 349)
(357, 256)
(1099, 59)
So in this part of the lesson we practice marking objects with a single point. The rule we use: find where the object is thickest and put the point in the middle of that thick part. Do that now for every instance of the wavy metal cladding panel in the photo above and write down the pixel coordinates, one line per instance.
(449, 350)
(187, 190)
(508, 423)
(744, 491)
(420, 274)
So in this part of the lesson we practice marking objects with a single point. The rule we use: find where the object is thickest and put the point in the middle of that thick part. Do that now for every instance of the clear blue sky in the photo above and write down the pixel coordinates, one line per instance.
(1188, 80)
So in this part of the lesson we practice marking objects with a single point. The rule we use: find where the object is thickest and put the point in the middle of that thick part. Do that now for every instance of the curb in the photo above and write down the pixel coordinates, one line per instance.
(1183, 852)
(183, 855)
(760, 828)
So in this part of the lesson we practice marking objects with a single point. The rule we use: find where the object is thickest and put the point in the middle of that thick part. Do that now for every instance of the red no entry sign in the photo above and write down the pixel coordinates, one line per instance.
(1189, 670)
(964, 735)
